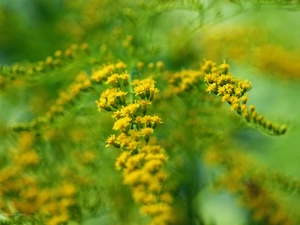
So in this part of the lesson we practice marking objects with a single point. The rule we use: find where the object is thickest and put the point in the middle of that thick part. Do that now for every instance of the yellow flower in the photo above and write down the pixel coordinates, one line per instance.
(123, 139)
(235, 106)
(164, 215)
(121, 66)
(129, 110)
(153, 165)
(111, 140)
(144, 103)
(125, 77)
(135, 134)
(135, 161)
(221, 90)
(224, 67)
(146, 132)
(58, 219)
(212, 88)
(151, 149)
(133, 177)
(238, 92)
(131, 144)
(151, 209)
(225, 98)
(121, 97)
(147, 120)
(113, 80)
(155, 120)
(149, 198)
(120, 163)
(244, 85)
(145, 88)
(138, 193)
(244, 99)
(117, 114)
(122, 124)
(99, 75)
(160, 156)
(139, 90)
(229, 88)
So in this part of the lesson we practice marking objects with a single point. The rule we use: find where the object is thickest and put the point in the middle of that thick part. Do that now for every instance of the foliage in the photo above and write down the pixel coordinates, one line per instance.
(138, 112)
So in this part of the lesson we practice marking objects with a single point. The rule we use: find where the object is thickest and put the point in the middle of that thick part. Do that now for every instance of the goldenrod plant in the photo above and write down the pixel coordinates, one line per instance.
(160, 112)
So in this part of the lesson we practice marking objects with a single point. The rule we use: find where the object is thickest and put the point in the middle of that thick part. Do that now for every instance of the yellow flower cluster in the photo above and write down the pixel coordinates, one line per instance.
(246, 182)
(141, 161)
(183, 81)
(22, 192)
(233, 91)
(56, 203)
(143, 172)
(102, 74)
(145, 89)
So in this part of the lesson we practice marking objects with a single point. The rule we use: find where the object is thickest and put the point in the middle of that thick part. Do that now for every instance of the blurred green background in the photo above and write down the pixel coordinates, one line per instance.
(31, 30)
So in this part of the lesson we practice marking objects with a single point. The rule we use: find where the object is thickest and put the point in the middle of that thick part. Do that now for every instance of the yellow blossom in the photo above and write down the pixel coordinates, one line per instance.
(129, 110)
(120, 163)
(153, 165)
(122, 124)
(135, 161)
(121, 65)
(125, 77)
(138, 193)
(111, 140)
(149, 198)
(133, 177)
(146, 120)
(135, 134)
(145, 88)
(212, 88)
(159, 156)
(113, 80)
(147, 131)
(151, 209)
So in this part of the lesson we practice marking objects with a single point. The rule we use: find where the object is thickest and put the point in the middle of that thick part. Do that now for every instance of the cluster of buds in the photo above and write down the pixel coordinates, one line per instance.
(234, 91)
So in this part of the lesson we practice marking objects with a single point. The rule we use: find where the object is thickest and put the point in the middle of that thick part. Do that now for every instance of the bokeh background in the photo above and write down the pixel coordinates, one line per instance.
(259, 39)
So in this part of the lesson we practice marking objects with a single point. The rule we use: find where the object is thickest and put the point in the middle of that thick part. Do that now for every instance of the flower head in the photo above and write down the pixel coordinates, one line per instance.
(122, 124)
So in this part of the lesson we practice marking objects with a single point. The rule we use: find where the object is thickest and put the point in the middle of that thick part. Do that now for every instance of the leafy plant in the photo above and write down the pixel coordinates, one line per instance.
(145, 113)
